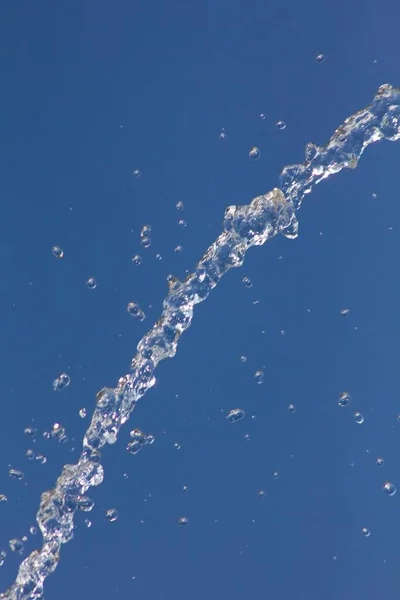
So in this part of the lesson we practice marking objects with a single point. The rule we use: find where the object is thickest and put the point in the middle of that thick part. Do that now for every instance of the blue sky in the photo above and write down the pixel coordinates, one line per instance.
(91, 91)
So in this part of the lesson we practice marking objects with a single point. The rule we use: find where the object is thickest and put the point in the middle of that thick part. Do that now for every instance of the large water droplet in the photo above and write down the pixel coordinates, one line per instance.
(16, 545)
(365, 531)
(359, 418)
(281, 125)
(85, 503)
(135, 311)
(389, 488)
(235, 414)
(91, 283)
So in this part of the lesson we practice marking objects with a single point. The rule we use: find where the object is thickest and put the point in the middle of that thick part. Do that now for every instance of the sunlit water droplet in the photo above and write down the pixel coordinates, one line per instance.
(247, 282)
(222, 135)
(359, 418)
(320, 58)
(30, 431)
(281, 125)
(135, 311)
(30, 454)
(146, 242)
(61, 382)
(179, 205)
(177, 446)
(16, 545)
(85, 504)
(259, 376)
(365, 531)
(33, 530)
(291, 408)
(380, 461)
(254, 153)
(344, 399)
(111, 514)
(178, 249)
(243, 359)
(182, 223)
(91, 283)
(261, 493)
(345, 312)
(15, 474)
(82, 413)
(389, 488)
(137, 260)
(88, 523)
(276, 475)
(235, 415)
(42, 459)
(183, 521)
(57, 252)
(262, 116)
(3, 498)
(136, 173)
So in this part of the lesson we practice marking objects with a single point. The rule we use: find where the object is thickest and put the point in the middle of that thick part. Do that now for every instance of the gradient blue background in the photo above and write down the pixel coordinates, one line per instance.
(90, 91)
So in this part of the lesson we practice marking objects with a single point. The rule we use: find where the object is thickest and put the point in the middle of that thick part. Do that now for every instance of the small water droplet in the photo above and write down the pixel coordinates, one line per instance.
(137, 260)
(262, 116)
(42, 459)
(259, 376)
(82, 413)
(366, 532)
(235, 414)
(30, 454)
(345, 312)
(291, 408)
(179, 205)
(3, 499)
(30, 431)
(247, 282)
(254, 153)
(261, 493)
(61, 382)
(320, 58)
(177, 446)
(276, 475)
(185, 488)
(135, 311)
(146, 242)
(359, 418)
(111, 514)
(88, 523)
(222, 135)
(182, 223)
(33, 530)
(57, 252)
(136, 173)
(183, 521)
(344, 399)
(178, 249)
(380, 461)
(91, 283)
(158, 257)
(389, 488)
(16, 545)
(243, 359)
(281, 125)
(15, 474)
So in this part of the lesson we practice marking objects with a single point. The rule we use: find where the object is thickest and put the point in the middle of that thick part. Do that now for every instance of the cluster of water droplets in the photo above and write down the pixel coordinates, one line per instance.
(243, 227)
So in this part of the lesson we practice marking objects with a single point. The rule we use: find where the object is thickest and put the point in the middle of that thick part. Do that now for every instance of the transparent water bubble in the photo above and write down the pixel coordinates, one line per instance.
(222, 135)
(85, 504)
(41, 458)
(177, 446)
(291, 408)
(247, 282)
(16, 545)
(137, 260)
(46, 435)
(235, 414)
(178, 249)
(136, 173)
(320, 58)
(145, 231)
(261, 493)
(135, 311)
(262, 116)
(276, 475)
(158, 257)
(111, 514)
(259, 376)
(365, 531)
(183, 521)
(33, 530)
(61, 382)
(344, 312)
(146, 242)
(182, 223)
(179, 205)
(57, 252)
(281, 125)
(185, 488)
(82, 413)
(344, 399)
(243, 359)
(30, 431)
(150, 439)
(57, 432)
(380, 461)
(3, 499)
(91, 283)
(30, 454)
(247, 437)
(389, 488)
(88, 523)
(254, 153)
(15, 474)
(359, 418)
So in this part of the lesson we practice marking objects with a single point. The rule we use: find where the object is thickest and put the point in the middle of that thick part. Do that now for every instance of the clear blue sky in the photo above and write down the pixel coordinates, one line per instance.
(91, 91)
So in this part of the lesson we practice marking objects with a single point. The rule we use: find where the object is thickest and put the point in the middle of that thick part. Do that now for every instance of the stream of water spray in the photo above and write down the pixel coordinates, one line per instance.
(243, 227)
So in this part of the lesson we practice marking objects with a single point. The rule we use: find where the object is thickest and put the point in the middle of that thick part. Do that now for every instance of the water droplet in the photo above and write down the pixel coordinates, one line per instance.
(57, 251)
(30, 454)
(359, 418)
(183, 521)
(33, 530)
(291, 408)
(261, 493)
(135, 311)
(16, 545)
(185, 488)
(178, 249)
(58, 433)
(3, 498)
(46, 435)
(88, 523)
(111, 514)
(344, 399)
(158, 257)
(145, 231)
(243, 359)
(91, 283)
(61, 382)
(182, 223)
(42, 459)
(150, 439)
(82, 413)
(259, 376)
(247, 437)
(262, 117)
(30, 431)
(254, 153)
(345, 312)
(136, 173)
(380, 461)
(281, 125)
(177, 446)
(15, 474)
(222, 135)
(235, 415)
(374, 195)
(366, 532)
(247, 282)
(320, 58)
(179, 205)
(146, 242)
(276, 475)
(389, 488)
(85, 503)
(137, 260)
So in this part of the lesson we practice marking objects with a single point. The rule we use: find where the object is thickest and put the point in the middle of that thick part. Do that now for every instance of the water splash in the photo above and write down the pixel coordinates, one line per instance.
(244, 227)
